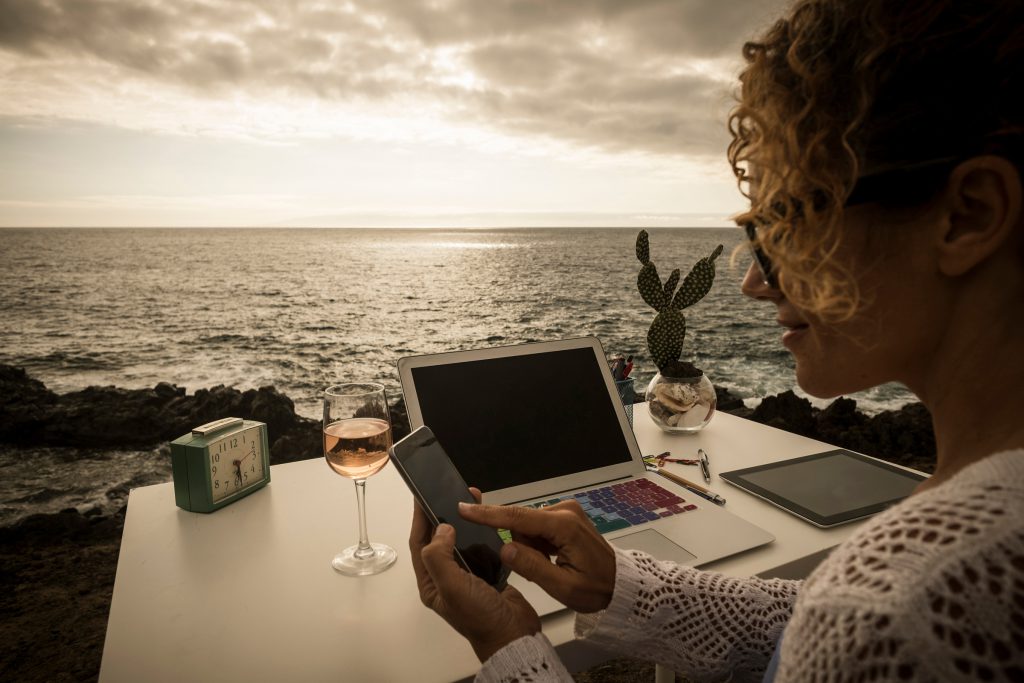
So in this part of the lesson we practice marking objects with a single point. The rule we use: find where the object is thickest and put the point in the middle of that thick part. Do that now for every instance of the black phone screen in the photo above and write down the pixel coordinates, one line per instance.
(439, 487)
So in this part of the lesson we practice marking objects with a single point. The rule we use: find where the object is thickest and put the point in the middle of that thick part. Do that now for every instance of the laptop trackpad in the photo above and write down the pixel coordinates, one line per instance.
(656, 545)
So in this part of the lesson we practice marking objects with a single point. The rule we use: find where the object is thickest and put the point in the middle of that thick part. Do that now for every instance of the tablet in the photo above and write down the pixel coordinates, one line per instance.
(828, 488)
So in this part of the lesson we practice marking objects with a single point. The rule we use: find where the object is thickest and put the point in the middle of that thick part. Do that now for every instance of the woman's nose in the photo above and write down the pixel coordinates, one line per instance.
(755, 287)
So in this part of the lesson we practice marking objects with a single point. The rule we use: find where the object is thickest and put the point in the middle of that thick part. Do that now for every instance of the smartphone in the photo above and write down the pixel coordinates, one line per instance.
(438, 487)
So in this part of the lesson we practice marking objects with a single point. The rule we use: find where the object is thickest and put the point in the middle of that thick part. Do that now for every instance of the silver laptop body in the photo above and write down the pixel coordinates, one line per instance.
(534, 422)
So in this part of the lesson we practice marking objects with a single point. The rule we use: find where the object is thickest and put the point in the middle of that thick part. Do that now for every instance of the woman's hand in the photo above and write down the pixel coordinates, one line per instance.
(489, 620)
(582, 576)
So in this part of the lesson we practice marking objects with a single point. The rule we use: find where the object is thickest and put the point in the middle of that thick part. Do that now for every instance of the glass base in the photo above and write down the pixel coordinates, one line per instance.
(349, 563)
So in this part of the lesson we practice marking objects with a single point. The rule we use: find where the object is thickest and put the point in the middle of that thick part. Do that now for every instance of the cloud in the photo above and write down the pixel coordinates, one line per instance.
(649, 76)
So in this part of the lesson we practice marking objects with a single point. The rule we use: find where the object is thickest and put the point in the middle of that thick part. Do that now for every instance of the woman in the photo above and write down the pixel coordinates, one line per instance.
(879, 143)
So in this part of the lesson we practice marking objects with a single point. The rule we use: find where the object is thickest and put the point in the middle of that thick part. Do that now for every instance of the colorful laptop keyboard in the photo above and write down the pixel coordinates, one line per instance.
(622, 505)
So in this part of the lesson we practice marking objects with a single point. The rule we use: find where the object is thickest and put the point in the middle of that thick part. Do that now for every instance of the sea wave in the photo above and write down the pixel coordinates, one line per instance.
(136, 307)
(47, 480)
(67, 360)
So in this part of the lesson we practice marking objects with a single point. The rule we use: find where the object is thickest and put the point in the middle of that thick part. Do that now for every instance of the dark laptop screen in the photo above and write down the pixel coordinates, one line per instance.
(515, 420)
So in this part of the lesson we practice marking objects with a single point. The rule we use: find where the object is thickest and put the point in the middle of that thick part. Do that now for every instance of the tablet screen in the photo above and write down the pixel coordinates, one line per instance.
(828, 488)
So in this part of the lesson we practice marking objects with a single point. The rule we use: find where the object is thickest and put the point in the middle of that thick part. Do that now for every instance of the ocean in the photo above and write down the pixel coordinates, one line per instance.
(301, 309)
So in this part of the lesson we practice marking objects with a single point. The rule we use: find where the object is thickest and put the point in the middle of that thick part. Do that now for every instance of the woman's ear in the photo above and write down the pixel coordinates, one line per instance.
(984, 213)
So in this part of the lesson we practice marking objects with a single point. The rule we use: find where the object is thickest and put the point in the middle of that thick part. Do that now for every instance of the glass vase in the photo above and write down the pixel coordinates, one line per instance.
(681, 405)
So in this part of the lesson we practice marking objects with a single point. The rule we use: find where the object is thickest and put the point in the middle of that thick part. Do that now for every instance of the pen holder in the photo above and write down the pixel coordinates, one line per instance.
(628, 396)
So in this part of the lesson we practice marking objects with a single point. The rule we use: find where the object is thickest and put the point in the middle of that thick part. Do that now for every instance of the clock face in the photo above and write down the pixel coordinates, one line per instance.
(236, 463)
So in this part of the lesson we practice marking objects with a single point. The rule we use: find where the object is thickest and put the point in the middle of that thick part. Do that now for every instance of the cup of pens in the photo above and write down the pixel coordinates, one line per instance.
(621, 367)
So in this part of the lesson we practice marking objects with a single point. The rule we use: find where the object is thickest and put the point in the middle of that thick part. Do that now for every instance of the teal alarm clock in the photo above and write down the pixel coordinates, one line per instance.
(219, 463)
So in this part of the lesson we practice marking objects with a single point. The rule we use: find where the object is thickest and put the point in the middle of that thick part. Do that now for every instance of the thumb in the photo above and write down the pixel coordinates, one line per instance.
(438, 558)
(532, 565)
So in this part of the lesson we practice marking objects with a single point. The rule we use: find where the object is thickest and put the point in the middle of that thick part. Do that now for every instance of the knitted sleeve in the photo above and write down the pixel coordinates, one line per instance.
(703, 625)
(932, 590)
(531, 659)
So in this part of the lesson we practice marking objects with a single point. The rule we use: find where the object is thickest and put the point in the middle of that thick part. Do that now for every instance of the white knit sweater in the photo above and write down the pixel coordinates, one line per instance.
(932, 589)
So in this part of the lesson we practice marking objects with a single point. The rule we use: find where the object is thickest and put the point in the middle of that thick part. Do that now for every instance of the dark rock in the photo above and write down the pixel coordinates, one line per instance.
(272, 407)
(727, 401)
(787, 411)
(57, 576)
(23, 402)
(108, 417)
(212, 404)
(20, 389)
(841, 423)
(120, 491)
(903, 436)
(168, 390)
(399, 419)
(840, 416)
(66, 526)
(301, 443)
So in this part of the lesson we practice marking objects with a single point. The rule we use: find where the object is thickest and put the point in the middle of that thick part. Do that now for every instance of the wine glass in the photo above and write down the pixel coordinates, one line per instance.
(357, 436)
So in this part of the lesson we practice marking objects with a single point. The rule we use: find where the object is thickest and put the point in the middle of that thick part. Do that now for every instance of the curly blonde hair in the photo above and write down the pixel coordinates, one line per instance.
(840, 89)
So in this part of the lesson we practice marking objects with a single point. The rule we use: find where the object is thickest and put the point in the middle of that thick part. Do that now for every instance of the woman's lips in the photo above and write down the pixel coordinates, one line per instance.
(795, 331)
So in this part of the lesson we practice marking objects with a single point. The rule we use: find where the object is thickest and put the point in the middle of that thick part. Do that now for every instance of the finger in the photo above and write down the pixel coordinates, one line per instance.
(421, 530)
(571, 505)
(527, 521)
(582, 591)
(439, 559)
(539, 544)
(476, 493)
(419, 536)
(534, 566)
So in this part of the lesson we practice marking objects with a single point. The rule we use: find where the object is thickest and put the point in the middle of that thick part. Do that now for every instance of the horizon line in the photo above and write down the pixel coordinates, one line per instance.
(367, 227)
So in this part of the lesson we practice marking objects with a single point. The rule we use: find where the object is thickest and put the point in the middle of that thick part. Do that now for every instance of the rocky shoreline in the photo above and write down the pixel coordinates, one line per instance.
(57, 570)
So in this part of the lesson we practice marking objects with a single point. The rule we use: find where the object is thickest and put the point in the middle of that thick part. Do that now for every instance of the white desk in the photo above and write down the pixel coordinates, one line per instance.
(248, 593)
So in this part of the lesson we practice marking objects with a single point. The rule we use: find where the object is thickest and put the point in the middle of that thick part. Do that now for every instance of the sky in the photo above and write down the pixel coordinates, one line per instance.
(474, 113)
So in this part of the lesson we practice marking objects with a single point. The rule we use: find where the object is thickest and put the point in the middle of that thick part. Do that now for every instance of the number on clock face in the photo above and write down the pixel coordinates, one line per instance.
(236, 462)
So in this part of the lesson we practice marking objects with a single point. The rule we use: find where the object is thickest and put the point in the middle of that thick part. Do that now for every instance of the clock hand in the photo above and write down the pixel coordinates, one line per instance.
(250, 454)
(238, 471)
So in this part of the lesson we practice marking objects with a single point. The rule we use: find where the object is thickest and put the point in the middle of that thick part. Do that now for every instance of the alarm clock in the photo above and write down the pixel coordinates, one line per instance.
(219, 463)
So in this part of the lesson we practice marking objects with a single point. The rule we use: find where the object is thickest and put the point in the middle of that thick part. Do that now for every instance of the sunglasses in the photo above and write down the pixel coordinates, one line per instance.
(764, 264)
(906, 186)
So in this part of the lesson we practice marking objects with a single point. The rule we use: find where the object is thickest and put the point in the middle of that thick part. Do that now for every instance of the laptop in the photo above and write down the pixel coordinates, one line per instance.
(533, 424)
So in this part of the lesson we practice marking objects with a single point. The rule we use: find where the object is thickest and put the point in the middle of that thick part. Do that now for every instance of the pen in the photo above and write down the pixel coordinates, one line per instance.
(693, 488)
(705, 465)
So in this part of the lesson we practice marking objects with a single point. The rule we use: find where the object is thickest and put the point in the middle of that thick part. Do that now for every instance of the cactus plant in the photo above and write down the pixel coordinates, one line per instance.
(665, 338)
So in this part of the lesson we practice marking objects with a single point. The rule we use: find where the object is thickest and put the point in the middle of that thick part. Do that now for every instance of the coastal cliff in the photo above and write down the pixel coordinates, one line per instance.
(57, 570)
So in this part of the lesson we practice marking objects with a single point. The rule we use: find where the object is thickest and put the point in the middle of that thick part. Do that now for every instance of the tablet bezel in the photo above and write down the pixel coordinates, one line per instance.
(736, 478)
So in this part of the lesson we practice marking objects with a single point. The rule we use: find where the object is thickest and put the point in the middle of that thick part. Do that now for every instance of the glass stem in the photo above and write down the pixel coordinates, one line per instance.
(365, 550)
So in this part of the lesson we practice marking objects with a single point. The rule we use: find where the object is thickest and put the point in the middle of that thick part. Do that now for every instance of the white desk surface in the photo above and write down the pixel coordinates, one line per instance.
(248, 593)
